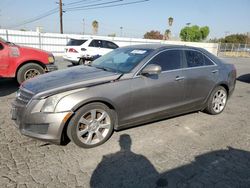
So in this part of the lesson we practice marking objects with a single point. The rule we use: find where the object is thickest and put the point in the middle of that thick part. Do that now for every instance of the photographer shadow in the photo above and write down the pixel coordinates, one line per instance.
(124, 169)
(222, 168)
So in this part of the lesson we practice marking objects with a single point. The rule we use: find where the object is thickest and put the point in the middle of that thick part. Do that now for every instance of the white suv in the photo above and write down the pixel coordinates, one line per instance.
(77, 49)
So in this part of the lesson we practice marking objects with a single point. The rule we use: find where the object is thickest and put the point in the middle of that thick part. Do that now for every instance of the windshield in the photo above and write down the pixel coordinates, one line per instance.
(121, 60)
(1, 39)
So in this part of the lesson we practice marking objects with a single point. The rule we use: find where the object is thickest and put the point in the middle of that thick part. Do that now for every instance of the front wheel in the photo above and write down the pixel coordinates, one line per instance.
(217, 101)
(28, 71)
(91, 126)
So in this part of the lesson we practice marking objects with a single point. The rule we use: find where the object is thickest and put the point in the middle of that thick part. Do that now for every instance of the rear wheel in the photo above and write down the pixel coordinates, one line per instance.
(217, 101)
(91, 126)
(28, 71)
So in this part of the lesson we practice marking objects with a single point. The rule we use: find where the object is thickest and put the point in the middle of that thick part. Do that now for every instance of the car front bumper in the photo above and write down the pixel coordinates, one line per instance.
(43, 126)
(51, 67)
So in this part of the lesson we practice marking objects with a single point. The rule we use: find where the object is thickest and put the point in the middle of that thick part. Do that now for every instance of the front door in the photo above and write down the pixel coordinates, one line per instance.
(156, 95)
(4, 60)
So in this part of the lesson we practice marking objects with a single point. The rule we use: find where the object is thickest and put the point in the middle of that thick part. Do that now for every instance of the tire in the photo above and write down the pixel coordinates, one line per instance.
(91, 126)
(74, 63)
(217, 101)
(28, 71)
(81, 62)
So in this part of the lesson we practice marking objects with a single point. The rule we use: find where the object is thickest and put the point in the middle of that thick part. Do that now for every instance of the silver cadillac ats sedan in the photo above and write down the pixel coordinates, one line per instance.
(127, 87)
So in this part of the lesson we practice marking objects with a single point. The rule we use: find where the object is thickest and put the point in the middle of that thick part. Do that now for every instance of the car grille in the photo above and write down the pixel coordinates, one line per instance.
(24, 96)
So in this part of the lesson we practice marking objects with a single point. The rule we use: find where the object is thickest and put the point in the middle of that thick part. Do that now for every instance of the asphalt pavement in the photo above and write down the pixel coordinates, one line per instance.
(192, 150)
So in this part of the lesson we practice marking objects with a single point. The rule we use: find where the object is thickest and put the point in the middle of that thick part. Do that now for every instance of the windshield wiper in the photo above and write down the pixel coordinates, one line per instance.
(106, 69)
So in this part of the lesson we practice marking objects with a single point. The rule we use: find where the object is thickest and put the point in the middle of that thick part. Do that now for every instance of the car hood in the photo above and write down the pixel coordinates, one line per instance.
(67, 79)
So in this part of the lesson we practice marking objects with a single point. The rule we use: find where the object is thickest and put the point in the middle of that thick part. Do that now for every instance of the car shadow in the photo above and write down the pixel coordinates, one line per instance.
(223, 168)
(244, 78)
(8, 86)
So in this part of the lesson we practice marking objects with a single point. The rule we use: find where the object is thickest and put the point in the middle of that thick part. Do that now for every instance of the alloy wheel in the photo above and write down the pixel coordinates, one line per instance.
(93, 126)
(219, 100)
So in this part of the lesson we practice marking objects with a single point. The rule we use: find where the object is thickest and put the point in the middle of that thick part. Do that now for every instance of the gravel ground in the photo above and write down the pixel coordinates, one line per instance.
(193, 150)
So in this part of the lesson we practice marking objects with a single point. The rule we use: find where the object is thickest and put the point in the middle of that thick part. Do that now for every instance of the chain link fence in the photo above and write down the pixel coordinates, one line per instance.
(234, 50)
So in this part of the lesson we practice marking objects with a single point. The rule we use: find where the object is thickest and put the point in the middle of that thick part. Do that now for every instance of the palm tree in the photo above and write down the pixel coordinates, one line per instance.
(167, 34)
(95, 26)
(170, 21)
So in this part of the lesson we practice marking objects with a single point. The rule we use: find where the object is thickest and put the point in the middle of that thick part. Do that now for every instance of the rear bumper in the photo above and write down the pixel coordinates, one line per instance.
(71, 59)
(51, 67)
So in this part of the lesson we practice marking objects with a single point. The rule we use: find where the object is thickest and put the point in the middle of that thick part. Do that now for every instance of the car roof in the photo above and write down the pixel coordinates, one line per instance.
(161, 46)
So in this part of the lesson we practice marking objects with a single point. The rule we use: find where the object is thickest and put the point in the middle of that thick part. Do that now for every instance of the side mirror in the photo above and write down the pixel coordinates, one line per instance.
(151, 69)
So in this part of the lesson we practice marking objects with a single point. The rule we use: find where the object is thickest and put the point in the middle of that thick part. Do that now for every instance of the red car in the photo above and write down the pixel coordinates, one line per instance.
(23, 63)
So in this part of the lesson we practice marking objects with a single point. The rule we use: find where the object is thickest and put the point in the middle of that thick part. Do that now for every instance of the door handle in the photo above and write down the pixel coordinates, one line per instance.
(178, 78)
(215, 71)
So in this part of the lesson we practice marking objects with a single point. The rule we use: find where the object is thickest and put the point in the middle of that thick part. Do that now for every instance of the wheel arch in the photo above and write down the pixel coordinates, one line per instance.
(29, 62)
(64, 137)
(223, 84)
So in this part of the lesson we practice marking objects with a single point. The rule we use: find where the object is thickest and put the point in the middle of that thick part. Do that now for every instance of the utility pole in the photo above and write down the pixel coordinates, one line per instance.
(61, 16)
(121, 28)
(83, 25)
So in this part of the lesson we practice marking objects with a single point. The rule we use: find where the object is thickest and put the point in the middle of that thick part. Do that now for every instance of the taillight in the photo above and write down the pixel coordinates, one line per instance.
(72, 50)
(14, 51)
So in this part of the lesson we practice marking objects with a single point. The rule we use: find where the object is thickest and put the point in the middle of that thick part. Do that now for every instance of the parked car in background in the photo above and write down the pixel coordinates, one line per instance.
(22, 62)
(126, 87)
(79, 50)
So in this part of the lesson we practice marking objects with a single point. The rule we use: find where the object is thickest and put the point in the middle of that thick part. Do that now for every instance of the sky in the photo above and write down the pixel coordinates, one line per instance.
(223, 17)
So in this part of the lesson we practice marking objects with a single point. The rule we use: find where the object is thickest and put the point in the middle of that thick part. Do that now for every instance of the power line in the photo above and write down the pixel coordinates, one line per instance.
(41, 16)
(86, 7)
(99, 7)
(82, 2)
(93, 5)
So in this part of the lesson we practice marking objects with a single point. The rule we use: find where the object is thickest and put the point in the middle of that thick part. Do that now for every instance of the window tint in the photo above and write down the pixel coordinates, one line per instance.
(75, 42)
(168, 60)
(96, 43)
(110, 45)
(207, 61)
(196, 59)
(1, 46)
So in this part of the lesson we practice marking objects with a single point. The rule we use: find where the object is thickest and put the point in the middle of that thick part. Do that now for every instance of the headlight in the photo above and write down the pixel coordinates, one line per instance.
(51, 59)
(52, 101)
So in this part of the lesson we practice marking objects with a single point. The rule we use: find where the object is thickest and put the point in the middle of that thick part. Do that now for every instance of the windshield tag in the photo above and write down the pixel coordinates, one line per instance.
(138, 52)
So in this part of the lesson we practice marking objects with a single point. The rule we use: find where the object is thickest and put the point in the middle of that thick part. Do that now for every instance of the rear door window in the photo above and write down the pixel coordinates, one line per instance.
(96, 43)
(168, 60)
(75, 42)
(197, 59)
(207, 61)
(109, 45)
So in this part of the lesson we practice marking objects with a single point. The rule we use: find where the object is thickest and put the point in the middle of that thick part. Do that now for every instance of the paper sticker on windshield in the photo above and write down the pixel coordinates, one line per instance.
(138, 52)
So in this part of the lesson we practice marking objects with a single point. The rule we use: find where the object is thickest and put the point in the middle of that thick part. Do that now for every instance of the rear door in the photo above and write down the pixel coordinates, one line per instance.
(4, 59)
(201, 74)
(94, 48)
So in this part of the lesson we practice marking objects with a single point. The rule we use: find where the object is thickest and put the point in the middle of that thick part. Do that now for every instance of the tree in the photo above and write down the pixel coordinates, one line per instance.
(235, 38)
(95, 26)
(170, 21)
(167, 34)
(153, 35)
(204, 32)
(194, 33)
